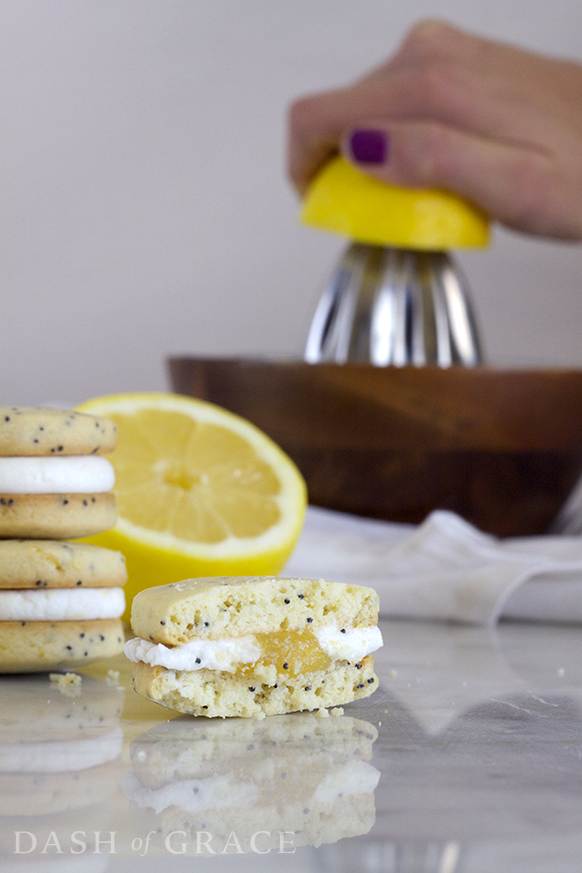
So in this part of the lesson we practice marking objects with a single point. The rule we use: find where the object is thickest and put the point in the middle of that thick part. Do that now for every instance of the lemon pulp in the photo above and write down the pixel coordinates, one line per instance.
(197, 481)
(199, 492)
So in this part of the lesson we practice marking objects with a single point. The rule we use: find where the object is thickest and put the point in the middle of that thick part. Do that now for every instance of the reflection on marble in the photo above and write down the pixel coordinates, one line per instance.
(481, 752)
(250, 785)
(476, 735)
(60, 765)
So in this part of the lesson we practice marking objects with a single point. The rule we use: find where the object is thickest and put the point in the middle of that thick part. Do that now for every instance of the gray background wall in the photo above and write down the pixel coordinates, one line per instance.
(144, 206)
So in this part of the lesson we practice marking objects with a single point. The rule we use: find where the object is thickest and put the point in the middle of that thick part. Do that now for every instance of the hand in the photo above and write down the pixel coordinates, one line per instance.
(490, 122)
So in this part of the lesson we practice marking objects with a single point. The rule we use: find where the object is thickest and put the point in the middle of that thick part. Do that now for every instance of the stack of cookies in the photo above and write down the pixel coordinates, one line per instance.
(61, 602)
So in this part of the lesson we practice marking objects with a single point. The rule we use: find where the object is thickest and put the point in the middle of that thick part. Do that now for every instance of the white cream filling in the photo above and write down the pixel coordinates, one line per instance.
(60, 474)
(61, 604)
(349, 644)
(225, 654)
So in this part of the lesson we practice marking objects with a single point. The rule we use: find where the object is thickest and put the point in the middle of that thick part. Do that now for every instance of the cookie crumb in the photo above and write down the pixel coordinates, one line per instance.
(321, 713)
(68, 684)
(336, 711)
(63, 680)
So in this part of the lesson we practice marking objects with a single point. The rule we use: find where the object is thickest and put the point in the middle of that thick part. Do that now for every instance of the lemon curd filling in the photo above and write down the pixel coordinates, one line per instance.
(291, 652)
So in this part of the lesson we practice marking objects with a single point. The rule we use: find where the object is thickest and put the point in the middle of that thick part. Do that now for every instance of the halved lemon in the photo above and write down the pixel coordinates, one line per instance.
(199, 491)
(343, 200)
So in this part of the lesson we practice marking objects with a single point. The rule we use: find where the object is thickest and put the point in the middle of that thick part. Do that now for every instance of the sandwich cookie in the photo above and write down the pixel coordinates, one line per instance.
(54, 482)
(254, 646)
(60, 604)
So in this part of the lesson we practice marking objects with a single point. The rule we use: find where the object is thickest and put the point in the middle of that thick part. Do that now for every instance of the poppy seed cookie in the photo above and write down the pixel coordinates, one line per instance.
(60, 603)
(27, 430)
(212, 608)
(52, 484)
(33, 646)
(57, 564)
(55, 516)
(254, 646)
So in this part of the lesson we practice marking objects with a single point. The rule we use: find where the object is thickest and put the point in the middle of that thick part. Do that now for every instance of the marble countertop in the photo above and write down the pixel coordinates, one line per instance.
(467, 759)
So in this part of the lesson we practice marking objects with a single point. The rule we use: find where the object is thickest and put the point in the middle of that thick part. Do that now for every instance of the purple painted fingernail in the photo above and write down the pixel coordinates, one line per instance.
(369, 146)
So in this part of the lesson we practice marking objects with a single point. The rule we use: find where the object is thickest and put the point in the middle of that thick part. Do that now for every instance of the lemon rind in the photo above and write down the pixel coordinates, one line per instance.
(344, 201)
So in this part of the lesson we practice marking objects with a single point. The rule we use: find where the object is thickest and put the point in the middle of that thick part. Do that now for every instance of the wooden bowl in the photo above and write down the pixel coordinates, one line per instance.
(503, 449)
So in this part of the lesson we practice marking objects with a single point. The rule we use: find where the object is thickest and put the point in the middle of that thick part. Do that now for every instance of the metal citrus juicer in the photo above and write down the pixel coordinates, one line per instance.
(396, 296)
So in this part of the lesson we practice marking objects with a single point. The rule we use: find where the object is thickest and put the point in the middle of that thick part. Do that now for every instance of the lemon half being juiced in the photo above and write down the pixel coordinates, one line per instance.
(343, 200)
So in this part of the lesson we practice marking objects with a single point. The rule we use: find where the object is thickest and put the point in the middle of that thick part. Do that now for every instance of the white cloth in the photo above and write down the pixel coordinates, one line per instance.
(445, 569)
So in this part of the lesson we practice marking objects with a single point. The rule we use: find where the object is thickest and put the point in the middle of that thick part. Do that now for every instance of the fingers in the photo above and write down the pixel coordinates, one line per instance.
(516, 183)
(491, 122)
(316, 124)
(425, 78)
